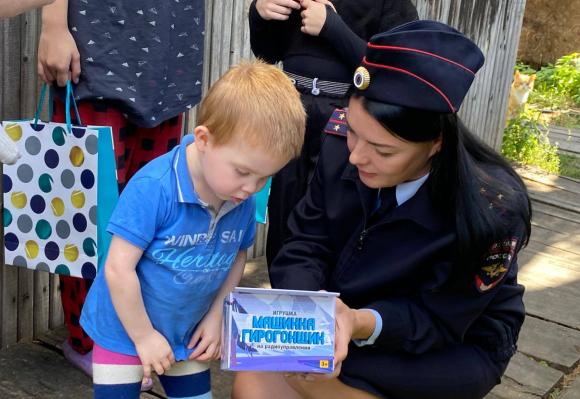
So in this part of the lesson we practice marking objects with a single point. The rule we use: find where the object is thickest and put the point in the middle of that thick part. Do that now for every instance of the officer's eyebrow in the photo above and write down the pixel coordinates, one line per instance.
(349, 127)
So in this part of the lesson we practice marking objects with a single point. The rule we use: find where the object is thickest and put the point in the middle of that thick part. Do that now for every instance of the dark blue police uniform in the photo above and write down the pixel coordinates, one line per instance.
(448, 329)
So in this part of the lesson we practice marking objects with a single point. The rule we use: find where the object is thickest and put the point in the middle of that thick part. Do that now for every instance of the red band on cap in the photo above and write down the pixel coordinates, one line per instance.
(414, 50)
(438, 90)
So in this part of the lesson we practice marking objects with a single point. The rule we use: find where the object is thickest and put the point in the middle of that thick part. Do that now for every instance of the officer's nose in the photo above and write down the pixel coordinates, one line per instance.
(358, 153)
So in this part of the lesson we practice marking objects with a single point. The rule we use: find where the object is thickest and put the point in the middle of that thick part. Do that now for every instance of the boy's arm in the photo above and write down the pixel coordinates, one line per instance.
(11, 8)
(58, 56)
(125, 288)
(153, 349)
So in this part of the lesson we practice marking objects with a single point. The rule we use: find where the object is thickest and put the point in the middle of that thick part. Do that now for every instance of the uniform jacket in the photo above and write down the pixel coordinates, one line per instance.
(403, 267)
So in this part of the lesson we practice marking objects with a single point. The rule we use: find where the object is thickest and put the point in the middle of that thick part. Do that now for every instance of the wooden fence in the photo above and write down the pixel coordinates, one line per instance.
(30, 300)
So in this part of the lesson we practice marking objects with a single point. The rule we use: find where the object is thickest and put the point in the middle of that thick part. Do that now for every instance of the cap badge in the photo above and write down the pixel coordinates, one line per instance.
(362, 78)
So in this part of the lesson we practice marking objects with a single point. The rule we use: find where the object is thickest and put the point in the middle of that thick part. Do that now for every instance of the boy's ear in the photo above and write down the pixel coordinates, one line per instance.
(202, 137)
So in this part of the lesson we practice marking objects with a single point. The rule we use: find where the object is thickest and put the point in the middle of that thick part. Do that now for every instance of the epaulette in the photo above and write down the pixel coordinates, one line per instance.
(336, 125)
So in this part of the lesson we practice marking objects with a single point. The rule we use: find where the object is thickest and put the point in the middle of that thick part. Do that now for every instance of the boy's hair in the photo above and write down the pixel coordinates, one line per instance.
(260, 101)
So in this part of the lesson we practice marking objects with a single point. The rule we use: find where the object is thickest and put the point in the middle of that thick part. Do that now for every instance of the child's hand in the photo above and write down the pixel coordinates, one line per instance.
(207, 337)
(155, 353)
(58, 56)
(327, 3)
(313, 16)
(278, 10)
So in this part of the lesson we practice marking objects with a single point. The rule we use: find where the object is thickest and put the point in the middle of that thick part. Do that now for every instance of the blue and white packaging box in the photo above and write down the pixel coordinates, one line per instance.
(279, 330)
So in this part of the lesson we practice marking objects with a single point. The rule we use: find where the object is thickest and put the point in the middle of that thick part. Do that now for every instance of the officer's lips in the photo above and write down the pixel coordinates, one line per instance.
(367, 175)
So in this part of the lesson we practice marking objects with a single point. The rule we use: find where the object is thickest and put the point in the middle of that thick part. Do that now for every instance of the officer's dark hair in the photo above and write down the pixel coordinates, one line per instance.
(486, 209)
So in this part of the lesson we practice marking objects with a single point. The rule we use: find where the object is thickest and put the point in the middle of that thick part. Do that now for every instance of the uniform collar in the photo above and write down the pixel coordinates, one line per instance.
(183, 180)
(413, 202)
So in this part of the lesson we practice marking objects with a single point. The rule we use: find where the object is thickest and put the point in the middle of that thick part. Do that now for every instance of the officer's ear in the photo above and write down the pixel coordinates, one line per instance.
(436, 145)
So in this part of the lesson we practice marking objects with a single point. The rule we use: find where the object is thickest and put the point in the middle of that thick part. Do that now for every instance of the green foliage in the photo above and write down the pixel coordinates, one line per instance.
(557, 86)
(525, 141)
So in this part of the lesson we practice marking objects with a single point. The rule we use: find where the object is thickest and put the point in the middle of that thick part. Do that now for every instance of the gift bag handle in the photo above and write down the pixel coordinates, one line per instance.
(69, 97)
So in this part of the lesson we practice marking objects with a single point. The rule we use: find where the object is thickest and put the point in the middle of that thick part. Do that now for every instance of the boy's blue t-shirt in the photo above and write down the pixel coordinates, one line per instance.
(187, 253)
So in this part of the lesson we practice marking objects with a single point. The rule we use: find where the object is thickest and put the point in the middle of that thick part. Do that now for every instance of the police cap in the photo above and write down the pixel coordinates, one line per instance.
(421, 64)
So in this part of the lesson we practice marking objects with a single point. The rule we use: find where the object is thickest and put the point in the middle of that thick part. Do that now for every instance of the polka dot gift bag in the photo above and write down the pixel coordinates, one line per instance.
(58, 195)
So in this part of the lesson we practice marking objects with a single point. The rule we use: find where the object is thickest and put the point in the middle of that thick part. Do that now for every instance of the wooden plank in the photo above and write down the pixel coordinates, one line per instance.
(41, 302)
(226, 36)
(25, 303)
(556, 212)
(56, 316)
(567, 140)
(29, 89)
(8, 312)
(526, 378)
(552, 181)
(10, 79)
(573, 391)
(554, 223)
(31, 371)
(557, 256)
(238, 22)
(559, 305)
(553, 196)
(570, 243)
(555, 201)
(246, 51)
(216, 40)
(551, 342)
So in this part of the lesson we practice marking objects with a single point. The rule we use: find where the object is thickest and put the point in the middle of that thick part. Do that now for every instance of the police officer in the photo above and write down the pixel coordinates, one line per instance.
(417, 224)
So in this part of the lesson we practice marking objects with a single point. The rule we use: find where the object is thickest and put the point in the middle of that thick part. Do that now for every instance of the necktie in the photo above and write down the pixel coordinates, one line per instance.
(386, 202)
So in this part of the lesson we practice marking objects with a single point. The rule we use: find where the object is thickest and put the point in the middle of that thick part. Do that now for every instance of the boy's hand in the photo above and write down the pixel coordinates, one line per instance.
(207, 337)
(155, 353)
(313, 16)
(278, 10)
(58, 56)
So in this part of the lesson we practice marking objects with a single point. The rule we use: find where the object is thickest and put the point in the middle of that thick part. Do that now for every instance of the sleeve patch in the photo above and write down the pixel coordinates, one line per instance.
(336, 125)
(496, 264)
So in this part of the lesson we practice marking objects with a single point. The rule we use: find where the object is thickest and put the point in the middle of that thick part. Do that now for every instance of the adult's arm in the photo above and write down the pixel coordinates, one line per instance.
(58, 56)
(269, 38)
(348, 44)
(11, 8)
(438, 317)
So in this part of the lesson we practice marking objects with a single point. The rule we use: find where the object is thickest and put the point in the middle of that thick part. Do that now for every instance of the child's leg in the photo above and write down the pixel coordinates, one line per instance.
(187, 380)
(116, 375)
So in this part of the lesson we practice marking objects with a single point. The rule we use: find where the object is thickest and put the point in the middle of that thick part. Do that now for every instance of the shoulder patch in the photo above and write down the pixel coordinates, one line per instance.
(336, 125)
(496, 264)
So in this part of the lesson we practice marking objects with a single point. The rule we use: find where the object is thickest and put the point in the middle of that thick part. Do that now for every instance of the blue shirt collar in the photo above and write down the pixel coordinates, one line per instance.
(407, 190)
(183, 180)
(184, 183)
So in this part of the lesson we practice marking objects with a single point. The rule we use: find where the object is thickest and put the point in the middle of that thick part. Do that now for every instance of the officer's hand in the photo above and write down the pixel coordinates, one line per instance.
(345, 324)
(313, 17)
(278, 10)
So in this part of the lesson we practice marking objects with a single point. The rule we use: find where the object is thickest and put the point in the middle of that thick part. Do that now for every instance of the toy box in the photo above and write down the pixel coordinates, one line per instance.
(279, 330)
